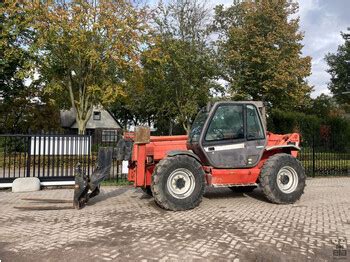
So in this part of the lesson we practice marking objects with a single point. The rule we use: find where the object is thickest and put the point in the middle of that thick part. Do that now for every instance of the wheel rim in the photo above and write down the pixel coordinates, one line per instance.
(181, 183)
(287, 179)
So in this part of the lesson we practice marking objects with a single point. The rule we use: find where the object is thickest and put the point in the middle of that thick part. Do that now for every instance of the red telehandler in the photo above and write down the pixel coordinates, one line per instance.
(228, 146)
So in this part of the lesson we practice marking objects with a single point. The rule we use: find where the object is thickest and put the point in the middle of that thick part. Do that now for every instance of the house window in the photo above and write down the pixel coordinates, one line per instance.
(97, 115)
(109, 135)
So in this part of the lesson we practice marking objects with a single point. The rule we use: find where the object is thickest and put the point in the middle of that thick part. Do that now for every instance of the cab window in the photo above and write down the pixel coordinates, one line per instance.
(197, 125)
(226, 124)
(254, 127)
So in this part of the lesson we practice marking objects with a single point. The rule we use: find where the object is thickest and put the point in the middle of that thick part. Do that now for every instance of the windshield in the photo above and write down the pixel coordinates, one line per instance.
(197, 125)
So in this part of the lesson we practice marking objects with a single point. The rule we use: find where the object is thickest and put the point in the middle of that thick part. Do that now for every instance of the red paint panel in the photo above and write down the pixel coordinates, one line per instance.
(138, 172)
(140, 165)
(275, 139)
(168, 138)
(149, 172)
(234, 176)
(159, 149)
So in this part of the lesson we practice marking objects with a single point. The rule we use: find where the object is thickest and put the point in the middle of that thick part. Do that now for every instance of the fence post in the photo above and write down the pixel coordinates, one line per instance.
(313, 154)
(89, 140)
(28, 156)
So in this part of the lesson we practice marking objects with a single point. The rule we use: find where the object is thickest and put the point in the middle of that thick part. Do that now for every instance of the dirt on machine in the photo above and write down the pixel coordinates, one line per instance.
(228, 146)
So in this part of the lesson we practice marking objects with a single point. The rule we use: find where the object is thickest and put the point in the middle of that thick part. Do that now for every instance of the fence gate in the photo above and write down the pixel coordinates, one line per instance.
(48, 157)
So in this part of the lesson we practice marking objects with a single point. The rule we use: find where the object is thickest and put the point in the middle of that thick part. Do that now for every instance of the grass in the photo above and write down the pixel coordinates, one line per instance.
(331, 164)
(116, 182)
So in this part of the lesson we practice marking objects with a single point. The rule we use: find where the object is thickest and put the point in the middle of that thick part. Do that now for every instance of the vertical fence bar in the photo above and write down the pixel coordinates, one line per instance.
(39, 155)
(61, 155)
(89, 154)
(44, 155)
(66, 156)
(14, 156)
(71, 155)
(34, 156)
(84, 151)
(4, 158)
(28, 156)
(313, 155)
(20, 157)
(9, 158)
(58, 156)
(49, 150)
(76, 152)
(53, 155)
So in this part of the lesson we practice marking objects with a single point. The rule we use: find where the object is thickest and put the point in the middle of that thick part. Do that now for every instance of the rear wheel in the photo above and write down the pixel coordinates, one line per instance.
(282, 179)
(178, 183)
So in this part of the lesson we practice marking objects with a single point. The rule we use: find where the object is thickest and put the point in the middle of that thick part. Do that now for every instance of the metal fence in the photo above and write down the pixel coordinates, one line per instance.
(53, 157)
(325, 154)
(50, 157)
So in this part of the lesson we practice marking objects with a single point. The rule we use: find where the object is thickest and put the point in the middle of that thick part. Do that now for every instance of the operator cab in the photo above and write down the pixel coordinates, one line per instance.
(229, 135)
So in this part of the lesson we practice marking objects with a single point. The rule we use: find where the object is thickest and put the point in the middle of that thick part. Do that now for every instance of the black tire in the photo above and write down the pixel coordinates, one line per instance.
(147, 190)
(171, 168)
(277, 168)
(242, 189)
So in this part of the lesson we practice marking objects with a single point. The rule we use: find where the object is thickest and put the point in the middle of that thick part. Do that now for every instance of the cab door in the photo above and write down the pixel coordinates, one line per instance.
(234, 136)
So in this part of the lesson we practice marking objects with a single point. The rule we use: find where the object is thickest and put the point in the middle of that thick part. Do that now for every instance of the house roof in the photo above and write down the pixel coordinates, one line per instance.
(107, 119)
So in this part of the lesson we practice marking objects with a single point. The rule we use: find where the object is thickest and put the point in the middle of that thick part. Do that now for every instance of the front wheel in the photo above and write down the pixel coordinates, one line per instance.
(178, 183)
(282, 179)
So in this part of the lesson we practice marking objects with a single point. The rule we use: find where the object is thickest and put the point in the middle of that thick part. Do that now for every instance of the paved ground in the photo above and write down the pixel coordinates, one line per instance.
(123, 224)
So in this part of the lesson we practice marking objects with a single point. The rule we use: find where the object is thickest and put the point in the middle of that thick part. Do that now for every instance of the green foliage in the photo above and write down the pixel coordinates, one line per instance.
(178, 70)
(330, 131)
(136, 106)
(23, 106)
(86, 49)
(324, 106)
(285, 122)
(180, 82)
(116, 182)
(339, 69)
(260, 47)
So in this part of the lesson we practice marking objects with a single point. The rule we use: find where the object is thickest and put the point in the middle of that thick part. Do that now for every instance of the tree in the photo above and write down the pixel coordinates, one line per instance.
(13, 57)
(339, 69)
(21, 101)
(136, 107)
(324, 106)
(260, 52)
(179, 67)
(86, 50)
